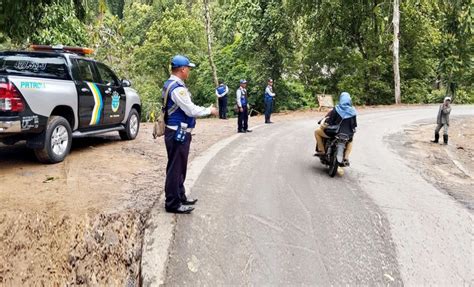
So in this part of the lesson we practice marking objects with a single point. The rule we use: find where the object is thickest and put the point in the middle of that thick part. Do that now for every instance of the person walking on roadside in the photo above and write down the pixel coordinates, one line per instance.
(443, 120)
(180, 119)
(269, 98)
(242, 106)
(221, 92)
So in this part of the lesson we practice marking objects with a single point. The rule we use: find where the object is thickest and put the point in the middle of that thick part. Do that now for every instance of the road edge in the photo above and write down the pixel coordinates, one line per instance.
(160, 227)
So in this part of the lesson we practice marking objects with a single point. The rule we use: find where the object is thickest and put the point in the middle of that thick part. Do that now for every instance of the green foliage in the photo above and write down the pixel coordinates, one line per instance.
(457, 45)
(59, 25)
(18, 19)
(307, 46)
(175, 32)
(464, 96)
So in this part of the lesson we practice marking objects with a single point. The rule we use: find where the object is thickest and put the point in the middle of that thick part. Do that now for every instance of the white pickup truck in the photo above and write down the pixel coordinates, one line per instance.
(52, 94)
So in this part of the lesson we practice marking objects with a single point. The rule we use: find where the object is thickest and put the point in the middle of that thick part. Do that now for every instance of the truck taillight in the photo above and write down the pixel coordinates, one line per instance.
(10, 98)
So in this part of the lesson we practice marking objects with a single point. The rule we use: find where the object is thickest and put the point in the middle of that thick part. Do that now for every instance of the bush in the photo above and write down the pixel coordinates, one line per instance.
(436, 96)
(414, 91)
(464, 97)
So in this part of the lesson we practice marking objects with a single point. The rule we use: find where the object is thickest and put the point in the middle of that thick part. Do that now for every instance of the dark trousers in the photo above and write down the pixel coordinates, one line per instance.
(176, 169)
(223, 107)
(242, 120)
(268, 109)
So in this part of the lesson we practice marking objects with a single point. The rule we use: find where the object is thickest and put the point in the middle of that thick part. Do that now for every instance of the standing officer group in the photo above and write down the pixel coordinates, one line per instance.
(180, 115)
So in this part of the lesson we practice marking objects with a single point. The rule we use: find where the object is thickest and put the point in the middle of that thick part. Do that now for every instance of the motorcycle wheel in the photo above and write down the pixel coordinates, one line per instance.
(333, 165)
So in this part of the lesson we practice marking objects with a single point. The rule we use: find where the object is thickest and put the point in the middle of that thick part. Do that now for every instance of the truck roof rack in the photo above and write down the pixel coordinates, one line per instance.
(60, 48)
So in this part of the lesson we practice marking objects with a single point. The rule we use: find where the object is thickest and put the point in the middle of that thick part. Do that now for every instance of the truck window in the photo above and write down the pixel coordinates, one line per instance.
(83, 70)
(107, 76)
(34, 66)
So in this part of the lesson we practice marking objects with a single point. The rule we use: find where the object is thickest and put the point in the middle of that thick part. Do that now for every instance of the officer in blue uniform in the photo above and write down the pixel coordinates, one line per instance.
(180, 119)
(269, 96)
(242, 105)
(221, 92)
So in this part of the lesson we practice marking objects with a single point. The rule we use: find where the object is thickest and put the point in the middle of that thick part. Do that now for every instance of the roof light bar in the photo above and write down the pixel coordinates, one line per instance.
(76, 50)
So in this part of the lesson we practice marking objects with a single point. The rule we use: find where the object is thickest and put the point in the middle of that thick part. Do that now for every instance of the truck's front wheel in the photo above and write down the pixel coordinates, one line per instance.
(132, 126)
(57, 142)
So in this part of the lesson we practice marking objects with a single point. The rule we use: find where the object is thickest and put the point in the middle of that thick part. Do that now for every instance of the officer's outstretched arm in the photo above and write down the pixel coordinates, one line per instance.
(182, 97)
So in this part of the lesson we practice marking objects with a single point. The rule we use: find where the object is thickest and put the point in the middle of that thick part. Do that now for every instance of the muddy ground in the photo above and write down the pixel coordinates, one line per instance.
(81, 222)
(449, 167)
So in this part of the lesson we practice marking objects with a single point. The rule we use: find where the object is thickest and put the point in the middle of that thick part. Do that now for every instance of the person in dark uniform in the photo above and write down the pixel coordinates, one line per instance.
(269, 96)
(242, 105)
(221, 92)
(180, 119)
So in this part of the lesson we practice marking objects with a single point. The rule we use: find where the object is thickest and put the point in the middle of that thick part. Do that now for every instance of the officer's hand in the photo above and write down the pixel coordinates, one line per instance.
(214, 111)
(241, 110)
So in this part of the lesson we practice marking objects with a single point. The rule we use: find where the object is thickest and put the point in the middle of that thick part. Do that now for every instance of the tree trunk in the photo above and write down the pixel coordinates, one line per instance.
(396, 48)
(207, 17)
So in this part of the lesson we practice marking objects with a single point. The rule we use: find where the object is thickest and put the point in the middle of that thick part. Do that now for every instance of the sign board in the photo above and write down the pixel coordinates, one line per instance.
(325, 101)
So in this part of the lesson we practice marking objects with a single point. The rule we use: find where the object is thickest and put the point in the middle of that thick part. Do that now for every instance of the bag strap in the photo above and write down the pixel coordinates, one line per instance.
(165, 100)
(167, 93)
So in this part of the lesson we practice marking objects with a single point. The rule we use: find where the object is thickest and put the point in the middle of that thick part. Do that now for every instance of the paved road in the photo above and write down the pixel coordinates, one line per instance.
(268, 214)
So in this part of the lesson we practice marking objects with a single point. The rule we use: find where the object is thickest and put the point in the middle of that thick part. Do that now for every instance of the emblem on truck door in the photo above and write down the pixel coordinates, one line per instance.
(115, 101)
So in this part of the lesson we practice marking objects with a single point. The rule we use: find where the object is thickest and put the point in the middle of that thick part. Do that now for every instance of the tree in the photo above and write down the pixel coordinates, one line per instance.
(396, 48)
(456, 49)
(306, 46)
(207, 17)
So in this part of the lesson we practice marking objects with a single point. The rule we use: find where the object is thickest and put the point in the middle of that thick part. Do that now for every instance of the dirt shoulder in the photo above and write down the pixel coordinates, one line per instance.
(82, 221)
(449, 167)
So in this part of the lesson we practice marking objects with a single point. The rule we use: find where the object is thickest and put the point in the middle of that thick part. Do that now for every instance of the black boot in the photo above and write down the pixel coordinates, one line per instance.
(445, 139)
(436, 140)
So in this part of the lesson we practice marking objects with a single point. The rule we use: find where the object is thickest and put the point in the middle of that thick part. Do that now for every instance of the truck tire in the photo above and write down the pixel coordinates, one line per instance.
(131, 127)
(57, 142)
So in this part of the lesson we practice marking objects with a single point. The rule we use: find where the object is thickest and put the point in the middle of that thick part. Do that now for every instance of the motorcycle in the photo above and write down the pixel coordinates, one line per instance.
(334, 147)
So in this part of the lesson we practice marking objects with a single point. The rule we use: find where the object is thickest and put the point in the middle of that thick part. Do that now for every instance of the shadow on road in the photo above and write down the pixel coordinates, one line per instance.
(317, 167)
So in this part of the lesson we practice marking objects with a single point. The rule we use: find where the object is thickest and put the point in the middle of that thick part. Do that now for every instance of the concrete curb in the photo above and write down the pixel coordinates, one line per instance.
(161, 225)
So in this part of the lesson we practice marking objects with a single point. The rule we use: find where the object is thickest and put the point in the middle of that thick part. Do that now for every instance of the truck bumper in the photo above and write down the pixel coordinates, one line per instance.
(10, 125)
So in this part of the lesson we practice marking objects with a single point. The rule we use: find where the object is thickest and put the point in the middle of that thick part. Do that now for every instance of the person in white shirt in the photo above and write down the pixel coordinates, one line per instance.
(221, 92)
(180, 119)
(269, 98)
(242, 106)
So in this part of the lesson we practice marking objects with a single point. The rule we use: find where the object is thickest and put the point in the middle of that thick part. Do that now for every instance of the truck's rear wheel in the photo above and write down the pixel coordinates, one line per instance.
(132, 126)
(57, 142)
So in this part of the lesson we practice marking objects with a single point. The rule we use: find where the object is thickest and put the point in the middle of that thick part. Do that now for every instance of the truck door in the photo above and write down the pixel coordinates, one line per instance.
(114, 95)
(91, 100)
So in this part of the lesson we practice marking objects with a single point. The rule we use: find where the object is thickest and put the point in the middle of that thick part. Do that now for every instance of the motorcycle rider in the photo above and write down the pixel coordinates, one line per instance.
(345, 115)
